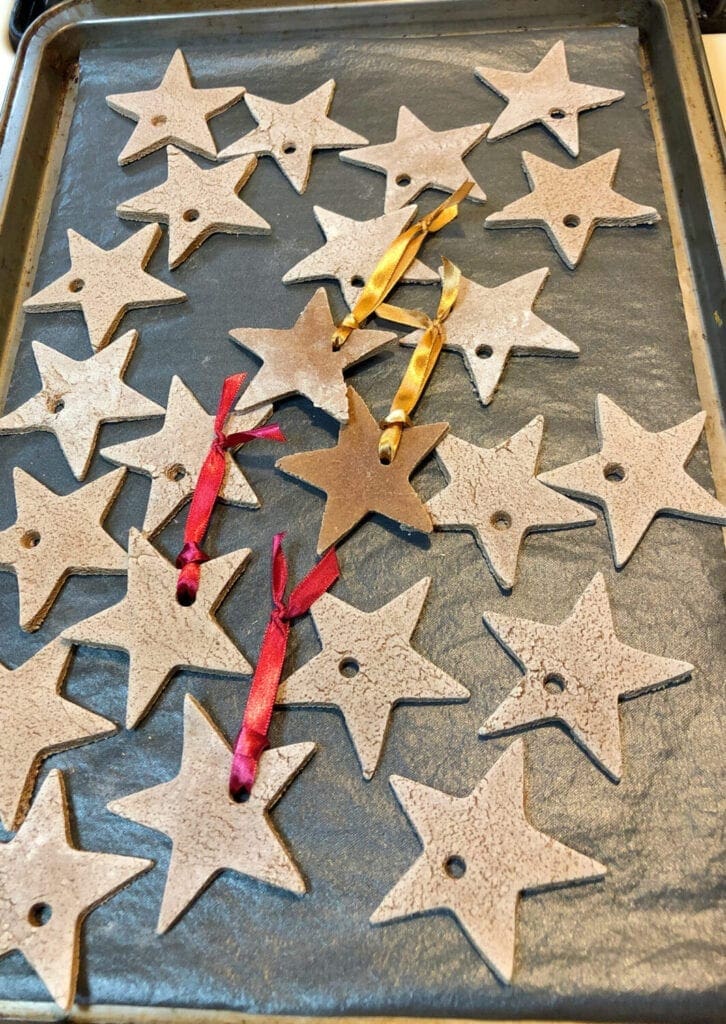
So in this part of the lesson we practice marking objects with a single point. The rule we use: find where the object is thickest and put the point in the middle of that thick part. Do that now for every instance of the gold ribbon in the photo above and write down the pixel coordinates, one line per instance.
(422, 361)
(395, 261)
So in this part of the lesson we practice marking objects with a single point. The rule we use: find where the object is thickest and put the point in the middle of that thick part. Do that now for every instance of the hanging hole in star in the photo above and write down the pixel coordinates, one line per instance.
(76, 285)
(557, 113)
(553, 682)
(571, 220)
(455, 866)
(348, 667)
(614, 472)
(484, 351)
(158, 119)
(55, 405)
(357, 281)
(241, 797)
(30, 539)
(289, 148)
(185, 598)
(403, 180)
(190, 215)
(40, 914)
(501, 520)
(176, 472)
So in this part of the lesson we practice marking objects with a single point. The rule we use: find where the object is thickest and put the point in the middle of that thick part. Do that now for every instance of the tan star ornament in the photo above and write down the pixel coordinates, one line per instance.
(353, 249)
(77, 396)
(172, 112)
(575, 673)
(420, 158)
(302, 361)
(355, 480)
(479, 853)
(105, 283)
(289, 132)
(174, 456)
(210, 831)
(570, 203)
(546, 95)
(48, 886)
(487, 325)
(35, 722)
(636, 475)
(160, 635)
(197, 203)
(56, 536)
(367, 666)
(495, 494)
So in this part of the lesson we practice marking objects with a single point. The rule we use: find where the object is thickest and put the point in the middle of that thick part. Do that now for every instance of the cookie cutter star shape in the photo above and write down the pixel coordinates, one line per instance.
(302, 361)
(105, 283)
(77, 396)
(173, 112)
(211, 832)
(196, 202)
(546, 95)
(56, 536)
(495, 493)
(355, 480)
(479, 853)
(570, 203)
(160, 635)
(487, 325)
(575, 674)
(420, 158)
(636, 475)
(48, 886)
(289, 132)
(367, 666)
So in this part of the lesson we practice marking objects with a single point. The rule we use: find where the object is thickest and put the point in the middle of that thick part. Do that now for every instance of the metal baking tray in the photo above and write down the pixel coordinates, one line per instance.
(647, 309)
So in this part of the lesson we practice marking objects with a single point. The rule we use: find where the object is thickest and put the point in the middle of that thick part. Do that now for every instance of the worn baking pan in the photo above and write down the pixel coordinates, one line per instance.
(646, 308)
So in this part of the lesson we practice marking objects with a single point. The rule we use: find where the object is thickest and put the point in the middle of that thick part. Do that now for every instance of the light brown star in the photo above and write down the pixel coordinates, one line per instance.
(172, 112)
(211, 832)
(479, 853)
(48, 886)
(355, 480)
(106, 283)
(55, 536)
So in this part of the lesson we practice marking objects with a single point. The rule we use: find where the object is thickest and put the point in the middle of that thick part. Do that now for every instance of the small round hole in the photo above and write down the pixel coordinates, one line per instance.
(76, 285)
(158, 119)
(571, 220)
(175, 472)
(357, 281)
(30, 539)
(484, 351)
(242, 797)
(349, 667)
(185, 598)
(501, 520)
(455, 866)
(557, 113)
(614, 472)
(403, 180)
(40, 914)
(289, 147)
(190, 215)
(554, 683)
(55, 405)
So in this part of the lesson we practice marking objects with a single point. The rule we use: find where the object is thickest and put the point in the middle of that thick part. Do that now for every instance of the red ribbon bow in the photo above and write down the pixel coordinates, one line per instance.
(192, 556)
(252, 739)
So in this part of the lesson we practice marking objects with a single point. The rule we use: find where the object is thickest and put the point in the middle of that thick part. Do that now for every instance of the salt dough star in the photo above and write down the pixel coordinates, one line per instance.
(570, 204)
(367, 666)
(355, 480)
(420, 158)
(575, 673)
(352, 250)
(160, 635)
(487, 325)
(106, 283)
(77, 396)
(479, 853)
(546, 95)
(173, 458)
(35, 722)
(172, 112)
(197, 203)
(302, 361)
(56, 536)
(289, 132)
(636, 475)
(211, 832)
(48, 886)
(495, 493)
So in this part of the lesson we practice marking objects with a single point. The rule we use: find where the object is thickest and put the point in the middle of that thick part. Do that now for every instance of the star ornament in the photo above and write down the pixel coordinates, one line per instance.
(173, 112)
(575, 673)
(197, 203)
(355, 480)
(105, 283)
(289, 132)
(420, 158)
(548, 96)
(48, 886)
(637, 475)
(211, 832)
(570, 204)
(479, 853)
(495, 494)
(367, 666)
(487, 325)
(160, 635)
(77, 396)
(302, 361)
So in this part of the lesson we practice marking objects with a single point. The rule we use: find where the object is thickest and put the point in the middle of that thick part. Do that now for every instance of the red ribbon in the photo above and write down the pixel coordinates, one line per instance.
(192, 556)
(252, 739)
